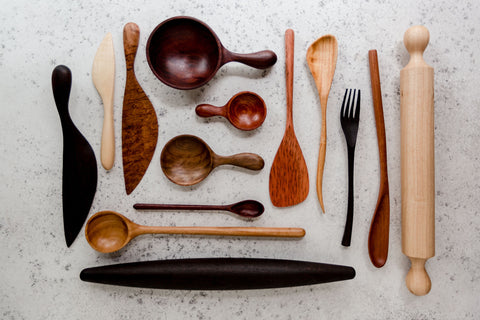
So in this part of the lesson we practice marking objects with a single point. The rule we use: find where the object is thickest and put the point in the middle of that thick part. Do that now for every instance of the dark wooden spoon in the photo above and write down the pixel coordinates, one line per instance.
(187, 160)
(184, 53)
(289, 174)
(246, 209)
(246, 110)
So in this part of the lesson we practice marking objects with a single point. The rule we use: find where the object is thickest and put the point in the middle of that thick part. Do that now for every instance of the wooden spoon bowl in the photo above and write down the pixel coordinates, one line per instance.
(246, 110)
(184, 53)
(187, 160)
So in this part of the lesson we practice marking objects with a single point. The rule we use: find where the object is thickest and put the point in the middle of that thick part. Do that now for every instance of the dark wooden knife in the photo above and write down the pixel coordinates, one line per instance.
(79, 164)
(217, 274)
(139, 120)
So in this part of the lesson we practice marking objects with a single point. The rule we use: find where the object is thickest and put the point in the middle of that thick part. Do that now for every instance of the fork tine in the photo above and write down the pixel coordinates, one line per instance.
(351, 107)
(342, 111)
(347, 108)
(357, 109)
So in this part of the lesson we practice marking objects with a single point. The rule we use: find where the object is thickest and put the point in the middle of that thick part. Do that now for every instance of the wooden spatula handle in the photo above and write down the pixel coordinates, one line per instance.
(131, 38)
(289, 51)
(61, 85)
(417, 160)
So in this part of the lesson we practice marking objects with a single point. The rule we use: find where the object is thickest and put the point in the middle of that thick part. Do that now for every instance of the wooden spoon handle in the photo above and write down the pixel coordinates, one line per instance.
(289, 55)
(207, 110)
(225, 231)
(149, 206)
(259, 60)
(131, 37)
(246, 160)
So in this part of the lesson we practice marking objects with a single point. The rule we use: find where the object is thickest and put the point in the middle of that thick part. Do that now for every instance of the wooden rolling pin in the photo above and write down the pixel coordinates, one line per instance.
(417, 160)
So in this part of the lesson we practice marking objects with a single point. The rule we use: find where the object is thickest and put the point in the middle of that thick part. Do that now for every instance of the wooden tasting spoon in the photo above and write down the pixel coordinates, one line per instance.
(322, 59)
(109, 231)
(288, 183)
(246, 209)
(246, 110)
(187, 160)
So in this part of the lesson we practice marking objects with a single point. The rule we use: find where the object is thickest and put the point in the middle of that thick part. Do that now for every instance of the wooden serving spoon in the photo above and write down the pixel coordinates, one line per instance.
(246, 110)
(109, 231)
(288, 183)
(187, 160)
(246, 209)
(322, 59)
(103, 76)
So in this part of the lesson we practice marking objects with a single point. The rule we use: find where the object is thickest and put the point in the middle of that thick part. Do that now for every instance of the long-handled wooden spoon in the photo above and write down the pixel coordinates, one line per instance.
(109, 231)
(288, 182)
(378, 236)
(103, 76)
(246, 208)
(322, 60)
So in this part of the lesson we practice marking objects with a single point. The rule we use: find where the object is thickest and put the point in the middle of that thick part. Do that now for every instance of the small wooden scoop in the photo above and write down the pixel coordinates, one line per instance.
(288, 183)
(109, 231)
(187, 160)
(322, 60)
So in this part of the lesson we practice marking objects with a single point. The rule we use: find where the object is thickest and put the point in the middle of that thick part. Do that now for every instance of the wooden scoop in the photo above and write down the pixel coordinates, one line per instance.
(288, 182)
(109, 231)
(187, 160)
(103, 76)
(322, 59)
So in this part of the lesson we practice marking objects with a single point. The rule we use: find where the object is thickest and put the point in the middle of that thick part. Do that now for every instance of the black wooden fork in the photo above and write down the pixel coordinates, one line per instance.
(349, 121)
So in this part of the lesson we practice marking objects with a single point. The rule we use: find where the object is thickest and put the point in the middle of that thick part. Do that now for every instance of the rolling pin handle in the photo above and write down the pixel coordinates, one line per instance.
(416, 40)
(418, 281)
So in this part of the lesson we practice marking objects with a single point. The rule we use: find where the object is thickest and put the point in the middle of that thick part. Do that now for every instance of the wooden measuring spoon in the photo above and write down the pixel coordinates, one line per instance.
(246, 110)
(109, 231)
(103, 76)
(185, 53)
(288, 183)
(246, 209)
(187, 160)
(322, 60)
(139, 120)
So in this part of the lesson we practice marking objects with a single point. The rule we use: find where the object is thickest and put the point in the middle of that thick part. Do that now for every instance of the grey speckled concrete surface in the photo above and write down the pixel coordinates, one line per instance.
(39, 275)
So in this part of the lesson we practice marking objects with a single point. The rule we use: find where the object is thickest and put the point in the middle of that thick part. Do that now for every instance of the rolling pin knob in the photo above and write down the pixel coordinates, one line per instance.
(416, 40)
(417, 280)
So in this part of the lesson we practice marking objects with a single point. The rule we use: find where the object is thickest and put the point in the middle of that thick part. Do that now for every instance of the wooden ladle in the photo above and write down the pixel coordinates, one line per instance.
(246, 208)
(184, 53)
(109, 231)
(322, 60)
(187, 160)
(246, 110)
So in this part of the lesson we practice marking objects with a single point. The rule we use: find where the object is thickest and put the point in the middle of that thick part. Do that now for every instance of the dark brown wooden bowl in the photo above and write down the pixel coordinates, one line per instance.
(184, 53)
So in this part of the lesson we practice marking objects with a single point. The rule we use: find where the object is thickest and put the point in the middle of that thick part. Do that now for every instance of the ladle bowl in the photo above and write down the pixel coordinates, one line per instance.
(184, 53)
(187, 160)
(246, 110)
(109, 231)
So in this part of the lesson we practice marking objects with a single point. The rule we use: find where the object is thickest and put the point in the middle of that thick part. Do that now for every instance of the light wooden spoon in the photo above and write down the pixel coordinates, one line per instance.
(103, 75)
(322, 59)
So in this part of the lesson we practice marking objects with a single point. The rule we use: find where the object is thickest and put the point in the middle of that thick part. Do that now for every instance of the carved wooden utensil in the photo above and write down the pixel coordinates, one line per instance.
(288, 183)
(379, 228)
(417, 160)
(184, 53)
(139, 120)
(217, 274)
(246, 208)
(246, 110)
(109, 231)
(322, 60)
(187, 160)
(79, 177)
(103, 76)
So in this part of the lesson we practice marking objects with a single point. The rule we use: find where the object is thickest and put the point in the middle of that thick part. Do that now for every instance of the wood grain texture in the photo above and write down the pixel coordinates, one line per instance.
(379, 228)
(187, 160)
(79, 174)
(246, 110)
(185, 53)
(417, 160)
(288, 183)
(103, 76)
(322, 60)
(109, 231)
(217, 274)
(139, 120)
